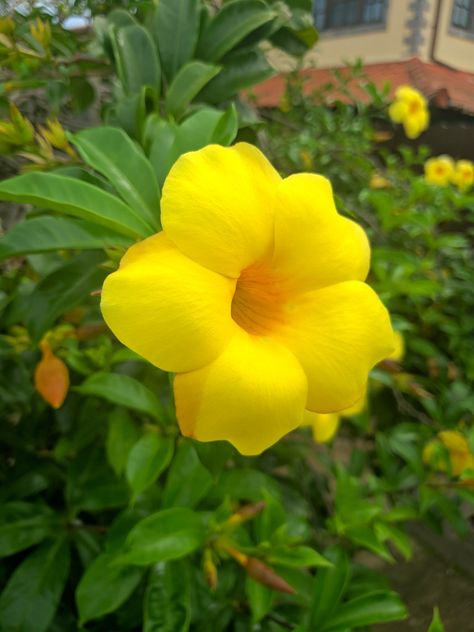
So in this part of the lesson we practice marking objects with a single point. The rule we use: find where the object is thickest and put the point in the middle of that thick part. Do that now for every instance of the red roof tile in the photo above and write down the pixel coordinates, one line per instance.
(444, 86)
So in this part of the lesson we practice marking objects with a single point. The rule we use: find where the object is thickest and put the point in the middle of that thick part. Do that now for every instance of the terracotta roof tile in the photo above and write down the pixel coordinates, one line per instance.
(444, 86)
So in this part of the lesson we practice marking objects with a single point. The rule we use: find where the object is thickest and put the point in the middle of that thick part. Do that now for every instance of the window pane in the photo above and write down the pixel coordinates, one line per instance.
(463, 14)
(346, 13)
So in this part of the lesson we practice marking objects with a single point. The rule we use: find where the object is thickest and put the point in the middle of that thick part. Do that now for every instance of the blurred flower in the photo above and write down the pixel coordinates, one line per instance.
(51, 377)
(463, 175)
(460, 456)
(439, 170)
(378, 182)
(410, 109)
(41, 32)
(306, 159)
(254, 295)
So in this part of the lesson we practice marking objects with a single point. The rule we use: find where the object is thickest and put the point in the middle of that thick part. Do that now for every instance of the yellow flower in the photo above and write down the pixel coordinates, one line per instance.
(378, 182)
(410, 109)
(326, 425)
(439, 170)
(253, 294)
(460, 456)
(463, 175)
(399, 344)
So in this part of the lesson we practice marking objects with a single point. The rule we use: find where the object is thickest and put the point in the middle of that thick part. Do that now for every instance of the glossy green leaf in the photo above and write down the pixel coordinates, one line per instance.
(113, 154)
(377, 607)
(160, 138)
(63, 289)
(148, 458)
(105, 586)
(136, 58)
(260, 599)
(24, 524)
(176, 30)
(188, 82)
(298, 557)
(50, 234)
(188, 480)
(242, 69)
(122, 390)
(227, 127)
(77, 198)
(165, 535)
(231, 24)
(33, 592)
(329, 587)
(122, 434)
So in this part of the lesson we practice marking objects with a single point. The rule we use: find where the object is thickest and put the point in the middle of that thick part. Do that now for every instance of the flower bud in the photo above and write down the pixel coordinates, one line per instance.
(51, 377)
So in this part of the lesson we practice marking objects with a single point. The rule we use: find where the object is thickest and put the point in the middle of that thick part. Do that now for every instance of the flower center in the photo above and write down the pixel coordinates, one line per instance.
(258, 302)
(414, 107)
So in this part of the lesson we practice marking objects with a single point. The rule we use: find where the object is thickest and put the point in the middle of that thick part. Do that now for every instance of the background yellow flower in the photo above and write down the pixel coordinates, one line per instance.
(410, 109)
(439, 170)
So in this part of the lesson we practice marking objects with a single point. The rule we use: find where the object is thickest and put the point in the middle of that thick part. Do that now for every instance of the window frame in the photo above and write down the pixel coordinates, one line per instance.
(326, 24)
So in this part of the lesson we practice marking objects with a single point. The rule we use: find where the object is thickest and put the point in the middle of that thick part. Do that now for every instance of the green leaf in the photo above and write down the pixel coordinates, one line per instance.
(298, 557)
(165, 535)
(188, 480)
(121, 436)
(232, 23)
(50, 234)
(136, 57)
(24, 524)
(105, 586)
(63, 289)
(123, 391)
(242, 69)
(113, 154)
(377, 607)
(77, 198)
(436, 624)
(32, 594)
(329, 587)
(188, 82)
(148, 458)
(227, 127)
(397, 536)
(260, 599)
(161, 136)
(176, 30)
(166, 606)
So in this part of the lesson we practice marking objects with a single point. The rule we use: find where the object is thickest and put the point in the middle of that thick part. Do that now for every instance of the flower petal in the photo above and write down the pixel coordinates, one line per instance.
(338, 334)
(251, 395)
(169, 309)
(217, 206)
(314, 245)
(324, 425)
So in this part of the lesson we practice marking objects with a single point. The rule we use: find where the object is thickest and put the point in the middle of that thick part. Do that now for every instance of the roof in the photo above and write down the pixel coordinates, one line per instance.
(445, 87)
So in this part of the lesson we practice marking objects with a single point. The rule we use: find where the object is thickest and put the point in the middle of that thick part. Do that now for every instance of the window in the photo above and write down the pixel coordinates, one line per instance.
(463, 15)
(340, 14)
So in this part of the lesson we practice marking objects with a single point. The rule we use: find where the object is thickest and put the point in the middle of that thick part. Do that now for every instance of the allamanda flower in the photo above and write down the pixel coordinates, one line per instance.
(410, 109)
(460, 456)
(439, 170)
(326, 425)
(253, 294)
(463, 174)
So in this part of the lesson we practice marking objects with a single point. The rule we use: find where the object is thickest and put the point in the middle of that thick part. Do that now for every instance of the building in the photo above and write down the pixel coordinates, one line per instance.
(428, 44)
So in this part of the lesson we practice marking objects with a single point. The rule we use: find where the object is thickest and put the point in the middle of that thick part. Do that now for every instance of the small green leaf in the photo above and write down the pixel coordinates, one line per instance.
(136, 58)
(122, 390)
(166, 606)
(50, 234)
(113, 154)
(298, 557)
(242, 69)
(148, 458)
(260, 599)
(32, 594)
(176, 30)
(24, 524)
(377, 607)
(105, 586)
(165, 535)
(227, 127)
(436, 624)
(230, 25)
(121, 436)
(329, 587)
(188, 82)
(188, 480)
(77, 198)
